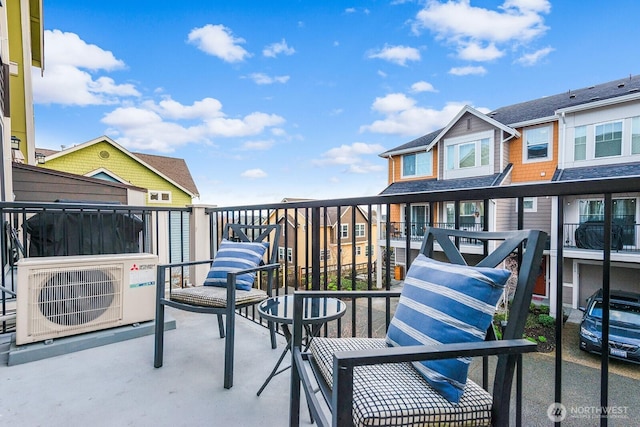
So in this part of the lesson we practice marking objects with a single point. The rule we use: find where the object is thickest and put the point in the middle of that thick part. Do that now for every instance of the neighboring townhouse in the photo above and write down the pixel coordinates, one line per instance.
(340, 238)
(580, 134)
(167, 179)
(21, 48)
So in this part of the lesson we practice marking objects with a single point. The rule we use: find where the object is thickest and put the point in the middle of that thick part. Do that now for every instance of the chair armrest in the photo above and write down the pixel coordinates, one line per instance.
(432, 352)
(184, 264)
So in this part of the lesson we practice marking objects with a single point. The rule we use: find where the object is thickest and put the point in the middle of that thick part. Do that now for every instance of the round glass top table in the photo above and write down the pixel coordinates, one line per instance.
(317, 311)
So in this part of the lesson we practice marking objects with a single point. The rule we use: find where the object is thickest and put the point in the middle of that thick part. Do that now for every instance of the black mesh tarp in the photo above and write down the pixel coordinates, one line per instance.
(83, 233)
(590, 235)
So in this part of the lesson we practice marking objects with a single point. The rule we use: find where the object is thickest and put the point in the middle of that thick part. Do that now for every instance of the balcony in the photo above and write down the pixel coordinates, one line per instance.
(117, 384)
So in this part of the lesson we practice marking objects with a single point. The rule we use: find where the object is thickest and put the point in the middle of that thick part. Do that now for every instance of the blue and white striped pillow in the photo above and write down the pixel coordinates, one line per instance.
(445, 303)
(232, 257)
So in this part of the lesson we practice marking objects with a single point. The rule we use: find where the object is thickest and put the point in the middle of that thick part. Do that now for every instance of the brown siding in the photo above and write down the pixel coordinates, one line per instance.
(34, 186)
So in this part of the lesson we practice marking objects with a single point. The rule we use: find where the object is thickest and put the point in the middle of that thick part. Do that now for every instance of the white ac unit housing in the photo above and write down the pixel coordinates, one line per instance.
(63, 296)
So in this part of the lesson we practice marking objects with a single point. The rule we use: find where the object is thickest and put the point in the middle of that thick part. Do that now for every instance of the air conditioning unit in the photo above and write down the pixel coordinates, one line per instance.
(63, 296)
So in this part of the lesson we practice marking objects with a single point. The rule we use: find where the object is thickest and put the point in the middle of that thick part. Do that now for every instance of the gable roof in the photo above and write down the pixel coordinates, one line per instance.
(172, 169)
(541, 109)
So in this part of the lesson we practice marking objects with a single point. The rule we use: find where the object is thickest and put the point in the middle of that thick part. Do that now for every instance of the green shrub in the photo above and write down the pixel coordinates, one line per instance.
(546, 320)
(544, 309)
(542, 338)
(531, 339)
(499, 317)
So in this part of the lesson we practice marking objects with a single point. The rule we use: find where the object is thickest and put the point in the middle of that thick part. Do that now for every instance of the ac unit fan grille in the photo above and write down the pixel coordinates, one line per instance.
(75, 296)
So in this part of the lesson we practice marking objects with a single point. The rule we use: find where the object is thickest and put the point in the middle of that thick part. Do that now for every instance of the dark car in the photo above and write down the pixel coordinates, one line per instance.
(624, 325)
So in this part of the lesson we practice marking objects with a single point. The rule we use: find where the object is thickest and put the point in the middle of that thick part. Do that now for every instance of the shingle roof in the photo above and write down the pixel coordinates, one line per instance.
(172, 167)
(433, 184)
(544, 107)
(600, 171)
(547, 106)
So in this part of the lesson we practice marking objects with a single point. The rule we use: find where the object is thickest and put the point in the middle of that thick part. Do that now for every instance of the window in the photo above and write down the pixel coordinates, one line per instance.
(417, 164)
(623, 215)
(358, 250)
(368, 250)
(537, 143)
(580, 143)
(468, 154)
(156, 196)
(325, 254)
(635, 135)
(530, 204)
(470, 214)
(344, 231)
(359, 230)
(608, 137)
(280, 253)
(289, 255)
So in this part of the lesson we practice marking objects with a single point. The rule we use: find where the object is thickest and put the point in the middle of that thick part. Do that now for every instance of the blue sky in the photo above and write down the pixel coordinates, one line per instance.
(273, 99)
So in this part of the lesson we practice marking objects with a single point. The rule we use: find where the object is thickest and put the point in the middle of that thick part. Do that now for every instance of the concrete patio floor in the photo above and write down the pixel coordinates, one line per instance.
(117, 385)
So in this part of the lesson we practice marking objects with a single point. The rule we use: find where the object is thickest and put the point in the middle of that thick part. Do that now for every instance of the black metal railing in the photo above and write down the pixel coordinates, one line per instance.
(344, 244)
(311, 237)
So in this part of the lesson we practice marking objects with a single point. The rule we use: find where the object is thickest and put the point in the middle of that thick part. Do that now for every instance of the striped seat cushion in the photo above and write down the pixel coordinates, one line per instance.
(213, 296)
(232, 257)
(396, 394)
(444, 303)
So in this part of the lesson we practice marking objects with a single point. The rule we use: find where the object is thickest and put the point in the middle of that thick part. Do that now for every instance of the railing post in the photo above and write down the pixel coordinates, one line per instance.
(559, 297)
(315, 249)
(199, 244)
(606, 298)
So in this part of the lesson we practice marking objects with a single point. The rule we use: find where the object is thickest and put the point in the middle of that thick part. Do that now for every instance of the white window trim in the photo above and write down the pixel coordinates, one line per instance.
(416, 175)
(625, 146)
(533, 208)
(361, 225)
(159, 193)
(474, 171)
(344, 231)
(525, 159)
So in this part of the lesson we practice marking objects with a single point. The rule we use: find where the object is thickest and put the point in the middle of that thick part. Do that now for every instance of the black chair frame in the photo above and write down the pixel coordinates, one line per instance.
(237, 232)
(337, 398)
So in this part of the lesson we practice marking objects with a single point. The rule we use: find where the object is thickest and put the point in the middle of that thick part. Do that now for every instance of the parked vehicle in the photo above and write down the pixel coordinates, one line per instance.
(624, 325)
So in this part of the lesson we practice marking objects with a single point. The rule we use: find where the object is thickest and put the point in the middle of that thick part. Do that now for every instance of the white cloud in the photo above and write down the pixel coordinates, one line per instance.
(170, 109)
(535, 57)
(72, 73)
(350, 10)
(476, 31)
(263, 79)
(397, 54)
(162, 127)
(474, 52)
(351, 156)
(422, 86)
(258, 145)
(403, 117)
(219, 41)
(254, 174)
(468, 70)
(275, 49)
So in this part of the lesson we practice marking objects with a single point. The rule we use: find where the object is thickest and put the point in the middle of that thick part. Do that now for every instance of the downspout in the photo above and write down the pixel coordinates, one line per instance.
(562, 143)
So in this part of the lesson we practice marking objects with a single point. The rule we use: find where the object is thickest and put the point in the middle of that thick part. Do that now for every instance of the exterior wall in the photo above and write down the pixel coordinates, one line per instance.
(624, 111)
(395, 168)
(533, 171)
(32, 186)
(93, 157)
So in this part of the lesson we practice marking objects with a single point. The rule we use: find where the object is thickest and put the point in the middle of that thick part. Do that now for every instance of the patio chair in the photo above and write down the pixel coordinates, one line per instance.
(417, 375)
(229, 285)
